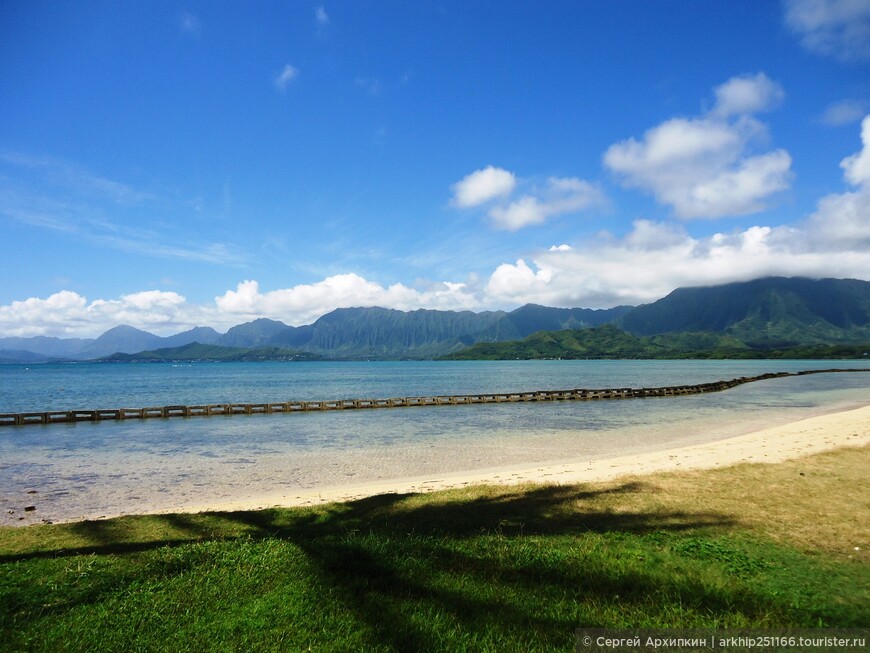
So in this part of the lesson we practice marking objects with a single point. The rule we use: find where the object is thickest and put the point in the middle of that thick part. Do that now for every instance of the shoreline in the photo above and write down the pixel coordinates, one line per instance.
(804, 437)
(845, 426)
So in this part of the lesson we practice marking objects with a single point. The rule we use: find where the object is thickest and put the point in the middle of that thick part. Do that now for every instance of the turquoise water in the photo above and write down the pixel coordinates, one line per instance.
(96, 469)
(92, 385)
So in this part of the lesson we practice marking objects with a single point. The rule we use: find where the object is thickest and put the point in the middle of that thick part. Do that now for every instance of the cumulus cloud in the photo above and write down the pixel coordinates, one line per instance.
(558, 196)
(494, 186)
(304, 303)
(69, 314)
(836, 28)
(287, 75)
(704, 167)
(321, 16)
(636, 269)
(842, 220)
(481, 186)
(656, 257)
(747, 94)
(857, 166)
(647, 235)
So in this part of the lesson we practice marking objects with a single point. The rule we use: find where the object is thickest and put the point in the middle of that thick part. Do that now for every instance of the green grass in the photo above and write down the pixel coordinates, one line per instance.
(481, 569)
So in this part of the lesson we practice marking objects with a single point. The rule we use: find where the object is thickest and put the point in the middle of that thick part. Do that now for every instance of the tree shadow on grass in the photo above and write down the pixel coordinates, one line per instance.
(556, 509)
(548, 509)
(389, 559)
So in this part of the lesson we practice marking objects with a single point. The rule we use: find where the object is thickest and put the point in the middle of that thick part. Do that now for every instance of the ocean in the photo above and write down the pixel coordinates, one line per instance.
(95, 469)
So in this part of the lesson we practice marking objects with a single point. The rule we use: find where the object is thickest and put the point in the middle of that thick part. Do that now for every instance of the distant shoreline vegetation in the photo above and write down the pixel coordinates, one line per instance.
(610, 343)
(196, 352)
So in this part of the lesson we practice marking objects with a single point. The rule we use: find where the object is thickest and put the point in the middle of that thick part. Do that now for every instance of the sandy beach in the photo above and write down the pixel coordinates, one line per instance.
(850, 428)
(847, 428)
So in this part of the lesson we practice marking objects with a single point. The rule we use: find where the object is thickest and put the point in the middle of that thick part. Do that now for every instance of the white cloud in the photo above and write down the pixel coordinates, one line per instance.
(559, 196)
(69, 314)
(482, 186)
(494, 186)
(287, 75)
(840, 222)
(637, 270)
(837, 28)
(321, 16)
(647, 235)
(704, 167)
(654, 258)
(843, 220)
(740, 190)
(857, 166)
(304, 303)
(746, 95)
(845, 112)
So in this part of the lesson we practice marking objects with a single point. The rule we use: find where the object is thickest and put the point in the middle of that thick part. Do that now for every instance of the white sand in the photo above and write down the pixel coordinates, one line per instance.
(849, 428)
(814, 435)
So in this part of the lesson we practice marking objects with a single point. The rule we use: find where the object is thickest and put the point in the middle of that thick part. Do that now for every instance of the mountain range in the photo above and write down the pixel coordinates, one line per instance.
(774, 312)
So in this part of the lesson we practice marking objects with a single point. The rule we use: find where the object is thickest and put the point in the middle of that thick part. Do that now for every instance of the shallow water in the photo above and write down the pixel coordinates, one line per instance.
(94, 469)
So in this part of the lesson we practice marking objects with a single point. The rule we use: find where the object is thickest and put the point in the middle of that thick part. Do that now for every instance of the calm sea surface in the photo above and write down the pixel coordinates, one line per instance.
(94, 469)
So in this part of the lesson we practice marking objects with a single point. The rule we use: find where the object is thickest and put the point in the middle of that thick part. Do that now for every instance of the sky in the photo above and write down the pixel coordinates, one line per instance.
(176, 164)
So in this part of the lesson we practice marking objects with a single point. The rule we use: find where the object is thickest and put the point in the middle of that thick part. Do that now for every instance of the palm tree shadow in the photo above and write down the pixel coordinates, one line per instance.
(383, 553)
(387, 556)
(556, 509)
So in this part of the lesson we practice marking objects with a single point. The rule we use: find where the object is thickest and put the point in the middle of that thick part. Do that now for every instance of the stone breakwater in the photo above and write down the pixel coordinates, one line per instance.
(580, 394)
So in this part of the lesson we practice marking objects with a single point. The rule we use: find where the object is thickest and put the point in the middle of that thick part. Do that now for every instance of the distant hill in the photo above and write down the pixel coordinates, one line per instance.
(202, 335)
(260, 332)
(532, 318)
(47, 346)
(766, 313)
(199, 352)
(121, 338)
(380, 332)
(21, 356)
(387, 333)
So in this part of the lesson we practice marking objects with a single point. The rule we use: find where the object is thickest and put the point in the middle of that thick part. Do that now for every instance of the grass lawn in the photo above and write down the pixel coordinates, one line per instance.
(481, 569)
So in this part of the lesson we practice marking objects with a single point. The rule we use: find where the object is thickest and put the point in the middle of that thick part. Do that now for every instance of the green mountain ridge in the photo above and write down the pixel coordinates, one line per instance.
(610, 342)
(774, 312)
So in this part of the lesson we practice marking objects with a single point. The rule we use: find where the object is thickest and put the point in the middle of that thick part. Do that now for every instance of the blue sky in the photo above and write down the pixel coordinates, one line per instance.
(168, 165)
